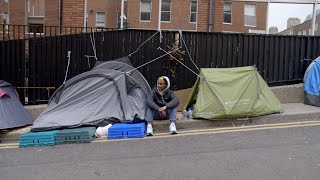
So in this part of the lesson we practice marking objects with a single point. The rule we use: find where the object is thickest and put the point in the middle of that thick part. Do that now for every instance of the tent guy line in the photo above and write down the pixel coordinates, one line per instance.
(150, 61)
(169, 53)
(138, 48)
(180, 32)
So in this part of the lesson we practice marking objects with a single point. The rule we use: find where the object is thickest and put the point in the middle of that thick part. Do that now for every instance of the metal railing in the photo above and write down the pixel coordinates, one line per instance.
(39, 58)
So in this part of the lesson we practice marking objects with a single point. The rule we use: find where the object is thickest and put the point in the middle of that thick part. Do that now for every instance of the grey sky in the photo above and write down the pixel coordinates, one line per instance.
(279, 13)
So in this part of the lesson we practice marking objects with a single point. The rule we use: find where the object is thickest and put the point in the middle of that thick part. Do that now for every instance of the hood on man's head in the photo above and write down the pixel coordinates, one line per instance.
(167, 80)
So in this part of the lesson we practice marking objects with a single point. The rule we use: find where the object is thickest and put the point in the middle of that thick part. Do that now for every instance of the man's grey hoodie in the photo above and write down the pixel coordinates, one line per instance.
(167, 98)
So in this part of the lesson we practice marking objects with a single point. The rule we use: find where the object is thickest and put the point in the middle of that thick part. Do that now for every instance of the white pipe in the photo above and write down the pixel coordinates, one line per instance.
(159, 20)
(314, 16)
(267, 17)
(210, 16)
(122, 14)
(59, 15)
(85, 13)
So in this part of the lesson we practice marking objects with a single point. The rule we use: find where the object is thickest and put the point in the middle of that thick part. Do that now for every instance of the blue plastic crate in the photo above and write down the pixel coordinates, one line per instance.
(43, 138)
(76, 135)
(123, 130)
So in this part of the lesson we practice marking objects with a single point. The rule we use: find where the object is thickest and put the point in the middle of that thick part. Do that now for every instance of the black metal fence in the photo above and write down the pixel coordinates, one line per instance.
(36, 62)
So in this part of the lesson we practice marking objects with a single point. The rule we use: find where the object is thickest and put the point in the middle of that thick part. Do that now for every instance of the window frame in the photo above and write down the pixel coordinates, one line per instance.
(255, 15)
(103, 21)
(224, 12)
(145, 11)
(166, 11)
(5, 16)
(196, 12)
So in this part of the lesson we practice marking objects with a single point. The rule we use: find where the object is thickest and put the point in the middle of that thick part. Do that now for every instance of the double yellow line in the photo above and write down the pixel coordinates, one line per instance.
(205, 131)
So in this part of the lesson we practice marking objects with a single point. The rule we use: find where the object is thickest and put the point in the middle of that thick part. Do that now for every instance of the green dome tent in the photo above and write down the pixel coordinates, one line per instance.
(231, 93)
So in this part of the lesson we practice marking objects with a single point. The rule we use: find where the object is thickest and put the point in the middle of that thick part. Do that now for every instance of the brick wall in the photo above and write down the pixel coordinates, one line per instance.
(1, 9)
(134, 15)
(111, 9)
(204, 15)
(218, 16)
(73, 13)
(180, 16)
(51, 13)
(237, 22)
(17, 12)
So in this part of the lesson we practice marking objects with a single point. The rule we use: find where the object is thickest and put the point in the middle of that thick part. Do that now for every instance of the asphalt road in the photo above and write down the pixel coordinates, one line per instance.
(286, 152)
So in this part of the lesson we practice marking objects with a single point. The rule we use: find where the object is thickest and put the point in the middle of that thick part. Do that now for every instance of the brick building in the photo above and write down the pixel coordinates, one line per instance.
(188, 15)
(304, 28)
(4, 12)
(247, 17)
(194, 15)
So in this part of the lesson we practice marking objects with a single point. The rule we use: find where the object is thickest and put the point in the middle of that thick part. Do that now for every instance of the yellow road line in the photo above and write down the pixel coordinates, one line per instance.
(235, 130)
(244, 127)
(218, 130)
(9, 147)
(205, 131)
(9, 144)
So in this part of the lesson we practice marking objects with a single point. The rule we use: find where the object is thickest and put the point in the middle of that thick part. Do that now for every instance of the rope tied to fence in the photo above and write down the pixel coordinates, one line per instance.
(93, 45)
(150, 61)
(138, 48)
(166, 53)
(69, 57)
(169, 53)
(180, 32)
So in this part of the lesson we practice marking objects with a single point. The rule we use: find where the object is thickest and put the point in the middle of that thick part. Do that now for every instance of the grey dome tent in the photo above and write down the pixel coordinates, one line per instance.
(12, 113)
(312, 84)
(111, 91)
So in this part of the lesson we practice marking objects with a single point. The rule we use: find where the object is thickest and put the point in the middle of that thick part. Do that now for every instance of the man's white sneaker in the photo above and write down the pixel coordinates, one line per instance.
(149, 130)
(172, 128)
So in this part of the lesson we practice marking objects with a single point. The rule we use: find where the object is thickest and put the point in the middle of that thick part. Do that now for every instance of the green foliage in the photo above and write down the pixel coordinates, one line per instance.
(173, 66)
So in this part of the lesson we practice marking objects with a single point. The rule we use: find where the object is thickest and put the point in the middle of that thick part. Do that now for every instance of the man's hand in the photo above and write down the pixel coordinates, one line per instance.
(162, 110)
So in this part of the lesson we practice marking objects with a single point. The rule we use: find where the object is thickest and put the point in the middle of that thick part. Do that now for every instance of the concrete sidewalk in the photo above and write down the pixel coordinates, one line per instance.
(292, 112)
(290, 96)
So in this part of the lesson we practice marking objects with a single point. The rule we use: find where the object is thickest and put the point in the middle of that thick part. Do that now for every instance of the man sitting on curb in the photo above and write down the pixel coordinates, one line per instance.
(162, 104)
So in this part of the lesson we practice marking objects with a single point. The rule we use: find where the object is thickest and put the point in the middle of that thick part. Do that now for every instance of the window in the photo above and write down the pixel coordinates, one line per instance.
(291, 32)
(145, 10)
(165, 10)
(193, 11)
(227, 13)
(35, 28)
(100, 19)
(5, 18)
(304, 32)
(250, 15)
(310, 31)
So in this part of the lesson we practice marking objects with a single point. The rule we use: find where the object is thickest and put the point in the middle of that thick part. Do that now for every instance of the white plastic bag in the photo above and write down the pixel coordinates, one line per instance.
(102, 132)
